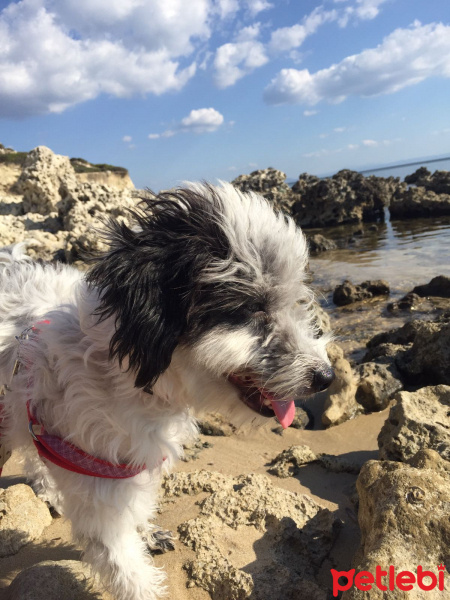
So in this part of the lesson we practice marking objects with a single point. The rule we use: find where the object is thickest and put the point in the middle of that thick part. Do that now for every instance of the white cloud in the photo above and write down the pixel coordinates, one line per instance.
(316, 153)
(235, 60)
(362, 10)
(310, 113)
(57, 53)
(286, 38)
(127, 138)
(226, 8)
(246, 53)
(256, 6)
(405, 57)
(201, 120)
(377, 143)
(229, 8)
(339, 129)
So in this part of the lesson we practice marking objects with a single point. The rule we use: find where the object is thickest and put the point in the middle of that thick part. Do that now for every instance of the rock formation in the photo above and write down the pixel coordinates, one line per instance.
(23, 517)
(53, 211)
(347, 292)
(419, 351)
(271, 184)
(417, 421)
(347, 197)
(403, 516)
(340, 404)
(418, 202)
(298, 532)
(56, 580)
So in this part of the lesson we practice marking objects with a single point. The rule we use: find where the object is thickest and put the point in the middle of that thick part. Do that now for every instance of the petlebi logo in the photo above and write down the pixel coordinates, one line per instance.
(389, 580)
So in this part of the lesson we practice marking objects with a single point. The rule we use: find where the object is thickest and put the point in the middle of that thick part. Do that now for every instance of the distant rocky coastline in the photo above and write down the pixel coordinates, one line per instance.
(349, 197)
(55, 203)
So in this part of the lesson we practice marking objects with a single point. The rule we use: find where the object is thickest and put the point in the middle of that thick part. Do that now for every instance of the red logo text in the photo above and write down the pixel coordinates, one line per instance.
(389, 580)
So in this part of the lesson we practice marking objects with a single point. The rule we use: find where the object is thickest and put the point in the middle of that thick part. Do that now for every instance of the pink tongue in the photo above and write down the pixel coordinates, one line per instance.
(285, 412)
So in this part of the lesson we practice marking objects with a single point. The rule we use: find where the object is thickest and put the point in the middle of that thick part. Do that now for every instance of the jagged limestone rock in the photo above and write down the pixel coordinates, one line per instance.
(23, 518)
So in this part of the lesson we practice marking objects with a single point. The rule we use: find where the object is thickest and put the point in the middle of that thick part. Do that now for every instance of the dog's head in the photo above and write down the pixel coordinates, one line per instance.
(213, 280)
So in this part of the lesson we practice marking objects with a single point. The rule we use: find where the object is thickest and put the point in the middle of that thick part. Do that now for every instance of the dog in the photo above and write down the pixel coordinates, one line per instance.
(201, 305)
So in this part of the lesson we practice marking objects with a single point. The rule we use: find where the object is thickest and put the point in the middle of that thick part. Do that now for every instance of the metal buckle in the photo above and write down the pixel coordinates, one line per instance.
(30, 429)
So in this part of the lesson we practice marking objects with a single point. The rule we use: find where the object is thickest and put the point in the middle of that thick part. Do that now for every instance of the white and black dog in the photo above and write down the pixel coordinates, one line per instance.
(201, 305)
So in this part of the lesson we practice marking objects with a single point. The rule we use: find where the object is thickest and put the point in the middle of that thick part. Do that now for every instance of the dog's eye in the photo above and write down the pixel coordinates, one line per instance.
(254, 308)
(253, 311)
(260, 316)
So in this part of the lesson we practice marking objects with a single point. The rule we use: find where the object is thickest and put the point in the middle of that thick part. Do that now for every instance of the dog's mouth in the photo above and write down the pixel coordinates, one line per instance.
(265, 403)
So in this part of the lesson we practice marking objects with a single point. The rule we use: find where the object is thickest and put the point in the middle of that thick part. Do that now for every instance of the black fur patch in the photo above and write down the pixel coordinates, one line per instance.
(148, 279)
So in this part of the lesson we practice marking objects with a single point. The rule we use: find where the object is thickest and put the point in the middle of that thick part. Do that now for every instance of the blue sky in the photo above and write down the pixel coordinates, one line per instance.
(207, 89)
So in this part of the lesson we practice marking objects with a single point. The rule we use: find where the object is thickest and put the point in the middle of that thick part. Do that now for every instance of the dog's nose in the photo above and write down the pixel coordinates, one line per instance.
(322, 378)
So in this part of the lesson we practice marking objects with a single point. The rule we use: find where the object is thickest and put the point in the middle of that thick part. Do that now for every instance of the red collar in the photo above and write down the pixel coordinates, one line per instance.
(70, 457)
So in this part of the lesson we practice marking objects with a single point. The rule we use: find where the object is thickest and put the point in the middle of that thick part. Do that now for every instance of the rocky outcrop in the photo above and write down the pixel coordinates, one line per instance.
(56, 580)
(438, 286)
(347, 197)
(23, 518)
(417, 202)
(420, 351)
(367, 388)
(40, 181)
(289, 462)
(438, 182)
(6, 150)
(271, 184)
(403, 516)
(81, 209)
(347, 292)
(428, 195)
(215, 424)
(418, 420)
(318, 243)
(376, 386)
(192, 450)
(408, 303)
(54, 212)
(340, 404)
(112, 179)
(298, 533)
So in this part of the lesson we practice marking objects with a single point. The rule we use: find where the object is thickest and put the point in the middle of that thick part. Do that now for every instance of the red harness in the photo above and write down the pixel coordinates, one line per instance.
(70, 457)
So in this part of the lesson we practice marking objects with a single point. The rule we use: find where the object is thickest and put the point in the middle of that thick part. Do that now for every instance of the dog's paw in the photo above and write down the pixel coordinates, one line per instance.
(158, 540)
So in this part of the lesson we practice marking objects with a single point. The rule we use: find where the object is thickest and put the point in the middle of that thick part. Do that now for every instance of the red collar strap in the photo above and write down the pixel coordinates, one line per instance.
(70, 457)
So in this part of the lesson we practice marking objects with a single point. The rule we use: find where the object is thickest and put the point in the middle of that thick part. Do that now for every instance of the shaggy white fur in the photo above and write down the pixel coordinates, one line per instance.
(201, 306)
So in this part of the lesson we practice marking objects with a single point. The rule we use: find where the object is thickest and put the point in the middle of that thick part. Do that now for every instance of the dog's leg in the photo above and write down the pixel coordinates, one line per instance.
(157, 540)
(124, 567)
(42, 482)
(105, 515)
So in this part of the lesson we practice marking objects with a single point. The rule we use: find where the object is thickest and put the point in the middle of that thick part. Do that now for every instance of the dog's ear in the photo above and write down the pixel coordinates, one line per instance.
(147, 279)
